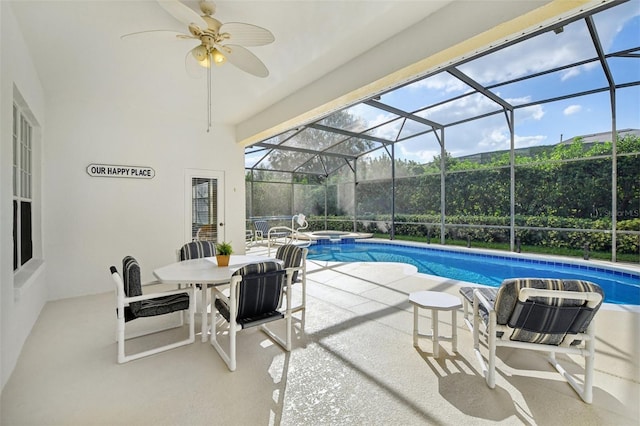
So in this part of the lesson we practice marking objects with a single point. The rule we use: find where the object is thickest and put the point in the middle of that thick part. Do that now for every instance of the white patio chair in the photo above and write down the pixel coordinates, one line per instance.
(132, 304)
(550, 315)
(255, 294)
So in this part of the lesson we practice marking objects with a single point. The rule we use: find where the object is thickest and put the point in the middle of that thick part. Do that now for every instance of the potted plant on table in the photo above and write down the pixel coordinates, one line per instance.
(223, 253)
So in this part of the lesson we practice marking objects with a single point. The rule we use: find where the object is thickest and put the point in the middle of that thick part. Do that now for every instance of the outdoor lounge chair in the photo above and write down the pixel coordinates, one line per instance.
(255, 295)
(271, 235)
(551, 315)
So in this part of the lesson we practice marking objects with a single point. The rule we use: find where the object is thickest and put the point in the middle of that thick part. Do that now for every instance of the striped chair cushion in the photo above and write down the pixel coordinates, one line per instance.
(259, 295)
(291, 255)
(163, 305)
(197, 250)
(145, 308)
(132, 284)
(544, 319)
(262, 226)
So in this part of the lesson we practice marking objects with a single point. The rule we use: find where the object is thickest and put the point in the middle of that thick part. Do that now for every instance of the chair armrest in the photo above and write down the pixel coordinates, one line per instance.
(280, 230)
(232, 287)
(220, 294)
(477, 296)
(290, 270)
(189, 290)
(151, 283)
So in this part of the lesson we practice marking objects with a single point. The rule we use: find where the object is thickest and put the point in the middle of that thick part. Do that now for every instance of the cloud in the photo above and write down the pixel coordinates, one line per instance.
(420, 156)
(527, 141)
(572, 109)
(443, 82)
(534, 112)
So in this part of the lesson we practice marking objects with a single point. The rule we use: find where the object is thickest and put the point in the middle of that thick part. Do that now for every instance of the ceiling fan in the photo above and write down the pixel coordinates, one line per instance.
(219, 42)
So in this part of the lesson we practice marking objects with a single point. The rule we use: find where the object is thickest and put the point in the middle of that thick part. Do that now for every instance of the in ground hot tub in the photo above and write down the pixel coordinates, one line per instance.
(330, 234)
(327, 236)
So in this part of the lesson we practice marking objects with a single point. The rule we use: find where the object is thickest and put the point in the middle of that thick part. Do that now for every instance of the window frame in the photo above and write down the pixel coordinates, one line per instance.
(23, 191)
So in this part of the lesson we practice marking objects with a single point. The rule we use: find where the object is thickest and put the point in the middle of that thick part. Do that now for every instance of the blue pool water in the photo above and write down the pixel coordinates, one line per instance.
(619, 287)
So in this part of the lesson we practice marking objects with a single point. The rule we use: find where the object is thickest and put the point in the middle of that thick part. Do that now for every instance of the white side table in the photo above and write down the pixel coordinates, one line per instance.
(436, 301)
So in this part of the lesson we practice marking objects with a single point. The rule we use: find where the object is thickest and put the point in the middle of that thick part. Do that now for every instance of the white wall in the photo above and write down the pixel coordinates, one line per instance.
(93, 222)
(17, 314)
(90, 223)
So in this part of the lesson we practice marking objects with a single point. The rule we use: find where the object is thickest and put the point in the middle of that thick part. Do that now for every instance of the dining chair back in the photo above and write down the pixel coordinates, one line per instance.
(197, 249)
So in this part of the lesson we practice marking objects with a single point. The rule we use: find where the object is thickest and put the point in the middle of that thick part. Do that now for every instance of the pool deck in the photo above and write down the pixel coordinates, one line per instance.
(355, 364)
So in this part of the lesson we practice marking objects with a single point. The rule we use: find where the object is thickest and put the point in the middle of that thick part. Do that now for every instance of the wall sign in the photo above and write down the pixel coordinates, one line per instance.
(111, 170)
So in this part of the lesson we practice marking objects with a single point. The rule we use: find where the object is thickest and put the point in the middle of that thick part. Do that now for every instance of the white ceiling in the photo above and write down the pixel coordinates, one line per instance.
(76, 44)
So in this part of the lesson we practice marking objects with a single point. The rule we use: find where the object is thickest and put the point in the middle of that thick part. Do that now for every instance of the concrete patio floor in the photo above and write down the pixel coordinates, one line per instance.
(355, 364)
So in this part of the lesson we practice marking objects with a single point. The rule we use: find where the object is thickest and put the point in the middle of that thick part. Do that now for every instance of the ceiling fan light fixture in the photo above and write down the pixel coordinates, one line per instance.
(218, 57)
(200, 53)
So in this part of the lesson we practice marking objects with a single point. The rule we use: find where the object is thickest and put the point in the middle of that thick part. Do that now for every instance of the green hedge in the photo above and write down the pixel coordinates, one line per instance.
(429, 226)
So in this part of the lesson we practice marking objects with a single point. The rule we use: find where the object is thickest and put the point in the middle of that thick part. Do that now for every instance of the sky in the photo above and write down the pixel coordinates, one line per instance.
(539, 124)
(618, 28)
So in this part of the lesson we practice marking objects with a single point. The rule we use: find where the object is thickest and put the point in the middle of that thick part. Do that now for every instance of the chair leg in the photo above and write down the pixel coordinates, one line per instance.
(284, 343)
(120, 339)
(584, 390)
(491, 373)
(232, 346)
(589, 362)
(228, 358)
(304, 299)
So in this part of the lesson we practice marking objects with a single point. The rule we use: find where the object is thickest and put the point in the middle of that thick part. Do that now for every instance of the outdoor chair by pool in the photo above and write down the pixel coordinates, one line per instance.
(132, 304)
(257, 291)
(271, 235)
(551, 315)
(295, 260)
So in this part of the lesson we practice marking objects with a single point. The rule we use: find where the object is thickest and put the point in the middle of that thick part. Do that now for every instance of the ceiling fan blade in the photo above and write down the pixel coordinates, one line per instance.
(174, 33)
(247, 34)
(245, 60)
(182, 13)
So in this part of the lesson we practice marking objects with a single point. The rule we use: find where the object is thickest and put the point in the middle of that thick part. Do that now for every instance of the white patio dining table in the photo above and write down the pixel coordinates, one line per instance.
(206, 272)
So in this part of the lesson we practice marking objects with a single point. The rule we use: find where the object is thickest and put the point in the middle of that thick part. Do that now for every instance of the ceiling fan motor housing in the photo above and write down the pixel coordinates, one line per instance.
(208, 7)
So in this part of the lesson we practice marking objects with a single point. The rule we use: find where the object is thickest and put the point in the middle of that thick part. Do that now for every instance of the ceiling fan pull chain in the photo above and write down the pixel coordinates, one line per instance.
(209, 97)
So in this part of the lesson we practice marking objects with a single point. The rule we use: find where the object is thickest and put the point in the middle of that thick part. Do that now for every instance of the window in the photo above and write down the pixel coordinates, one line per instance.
(205, 209)
(22, 188)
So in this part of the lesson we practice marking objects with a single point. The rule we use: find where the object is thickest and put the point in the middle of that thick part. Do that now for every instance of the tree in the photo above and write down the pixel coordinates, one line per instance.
(320, 140)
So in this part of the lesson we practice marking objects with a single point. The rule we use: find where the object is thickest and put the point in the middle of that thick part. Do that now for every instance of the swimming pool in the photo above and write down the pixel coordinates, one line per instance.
(620, 286)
